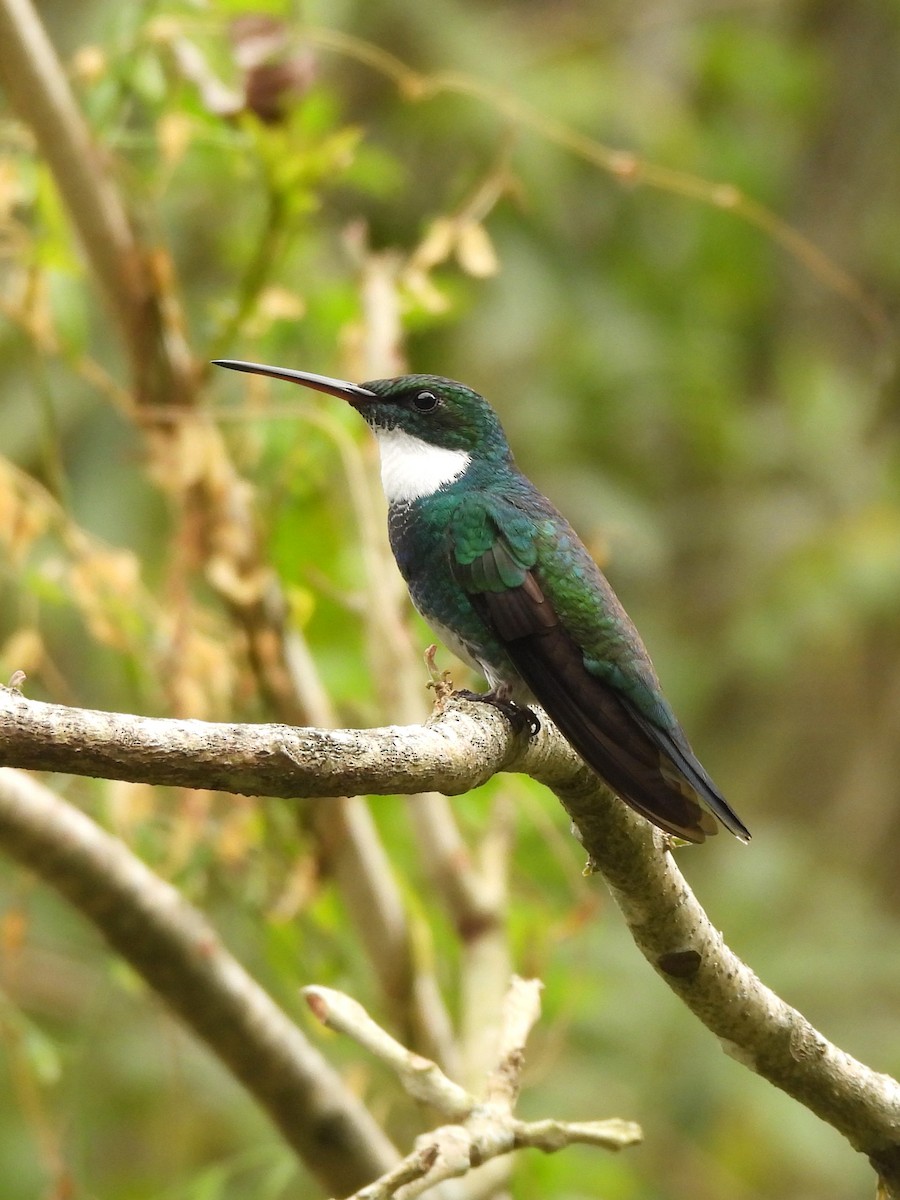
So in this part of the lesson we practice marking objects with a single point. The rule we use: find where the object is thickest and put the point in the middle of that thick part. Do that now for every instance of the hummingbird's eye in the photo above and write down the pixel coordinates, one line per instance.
(425, 402)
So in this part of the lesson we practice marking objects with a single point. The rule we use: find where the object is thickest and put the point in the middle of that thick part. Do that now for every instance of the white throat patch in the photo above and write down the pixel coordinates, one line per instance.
(411, 468)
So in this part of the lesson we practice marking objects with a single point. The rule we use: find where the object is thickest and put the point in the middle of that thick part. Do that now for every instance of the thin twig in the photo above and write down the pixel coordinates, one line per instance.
(482, 1128)
(422, 1078)
(624, 165)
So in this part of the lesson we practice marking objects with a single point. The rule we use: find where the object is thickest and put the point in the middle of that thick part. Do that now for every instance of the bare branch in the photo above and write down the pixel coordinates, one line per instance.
(265, 760)
(521, 1009)
(454, 753)
(179, 954)
(484, 1127)
(423, 1079)
(754, 1025)
(457, 750)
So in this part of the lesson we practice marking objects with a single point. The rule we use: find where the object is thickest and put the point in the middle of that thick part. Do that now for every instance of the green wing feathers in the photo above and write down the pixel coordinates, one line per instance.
(604, 711)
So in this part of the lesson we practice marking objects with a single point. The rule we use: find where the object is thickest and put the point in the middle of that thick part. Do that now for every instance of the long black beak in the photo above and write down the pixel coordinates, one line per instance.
(351, 392)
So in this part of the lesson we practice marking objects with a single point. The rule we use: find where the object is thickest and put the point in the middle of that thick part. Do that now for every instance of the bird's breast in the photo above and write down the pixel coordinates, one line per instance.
(418, 535)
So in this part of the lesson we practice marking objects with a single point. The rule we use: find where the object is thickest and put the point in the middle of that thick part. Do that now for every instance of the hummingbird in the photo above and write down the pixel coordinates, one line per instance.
(505, 582)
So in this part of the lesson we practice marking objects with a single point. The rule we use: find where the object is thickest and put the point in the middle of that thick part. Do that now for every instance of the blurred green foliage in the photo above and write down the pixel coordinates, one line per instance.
(718, 422)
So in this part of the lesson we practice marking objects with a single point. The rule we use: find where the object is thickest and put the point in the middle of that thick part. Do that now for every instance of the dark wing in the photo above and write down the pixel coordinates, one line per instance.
(651, 768)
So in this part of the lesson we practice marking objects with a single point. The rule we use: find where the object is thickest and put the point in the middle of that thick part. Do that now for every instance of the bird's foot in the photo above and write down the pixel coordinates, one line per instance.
(520, 716)
(440, 681)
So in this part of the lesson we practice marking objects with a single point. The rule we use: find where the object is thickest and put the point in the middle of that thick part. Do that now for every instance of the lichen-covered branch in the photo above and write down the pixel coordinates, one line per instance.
(458, 749)
(754, 1025)
(452, 754)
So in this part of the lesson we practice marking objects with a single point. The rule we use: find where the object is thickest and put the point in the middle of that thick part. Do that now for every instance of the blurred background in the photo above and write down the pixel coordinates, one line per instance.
(663, 239)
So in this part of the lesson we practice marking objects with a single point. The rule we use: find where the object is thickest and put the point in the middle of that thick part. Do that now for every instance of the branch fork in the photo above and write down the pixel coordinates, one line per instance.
(479, 1128)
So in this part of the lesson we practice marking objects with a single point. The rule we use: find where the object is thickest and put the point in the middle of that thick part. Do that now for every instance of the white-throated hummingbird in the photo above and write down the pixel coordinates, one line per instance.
(503, 579)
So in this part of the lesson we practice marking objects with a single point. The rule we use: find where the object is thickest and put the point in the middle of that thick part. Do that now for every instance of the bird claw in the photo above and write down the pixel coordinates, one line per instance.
(520, 716)
(441, 682)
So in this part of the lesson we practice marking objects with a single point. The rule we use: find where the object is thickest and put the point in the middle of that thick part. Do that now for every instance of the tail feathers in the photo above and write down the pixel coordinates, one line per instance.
(652, 769)
(689, 772)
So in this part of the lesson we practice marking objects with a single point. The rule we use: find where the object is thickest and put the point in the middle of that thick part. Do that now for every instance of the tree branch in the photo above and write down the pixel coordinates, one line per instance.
(458, 749)
(754, 1025)
(179, 954)
(452, 754)
(483, 1127)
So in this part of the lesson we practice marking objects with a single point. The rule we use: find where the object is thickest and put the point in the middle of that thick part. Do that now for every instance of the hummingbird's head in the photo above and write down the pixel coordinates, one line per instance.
(437, 411)
(428, 408)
